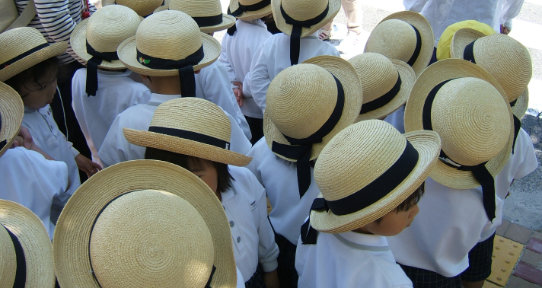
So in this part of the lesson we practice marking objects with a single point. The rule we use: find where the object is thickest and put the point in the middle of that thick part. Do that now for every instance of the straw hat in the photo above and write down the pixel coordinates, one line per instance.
(471, 115)
(141, 7)
(207, 13)
(190, 126)
(304, 10)
(301, 98)
(406, 36)
(104, 31)
(143, 223)
(445, 40)
(21, 229)
(24, 47)
(11, 116)
(167, 35)
(502, 56)
(382, 153)
(249, 9)
(385, 84)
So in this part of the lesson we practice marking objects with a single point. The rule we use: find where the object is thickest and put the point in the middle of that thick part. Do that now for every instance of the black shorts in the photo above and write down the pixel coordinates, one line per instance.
(480, 259)
(422, 278)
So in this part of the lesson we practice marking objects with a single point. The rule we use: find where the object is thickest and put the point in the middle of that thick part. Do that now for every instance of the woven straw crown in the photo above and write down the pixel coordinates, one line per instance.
(18, 41)
(11, 115)
(302, 10)
(141, 7)
(371, 146)
(379, 75)
(249, 15)
(203, 8)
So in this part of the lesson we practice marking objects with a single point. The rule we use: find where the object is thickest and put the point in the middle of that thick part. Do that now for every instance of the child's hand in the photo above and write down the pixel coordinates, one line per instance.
(271, 279)
(86, 165)
(238, 92)
(23, 138)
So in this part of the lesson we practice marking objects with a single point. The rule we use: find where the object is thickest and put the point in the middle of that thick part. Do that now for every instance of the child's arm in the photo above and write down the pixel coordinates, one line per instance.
(86, 165)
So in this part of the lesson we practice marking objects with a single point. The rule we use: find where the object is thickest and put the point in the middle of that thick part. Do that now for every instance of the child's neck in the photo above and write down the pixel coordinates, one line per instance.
(168, 85)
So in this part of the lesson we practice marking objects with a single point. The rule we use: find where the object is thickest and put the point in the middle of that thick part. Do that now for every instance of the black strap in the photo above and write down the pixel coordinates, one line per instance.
(92, 67)
(468, 53)
(309, 235)
(208, 20)
(517, 126)
(247, 8)
(208, 285)
(3, 142)
(21, 56)
(184, 66)
(191, 135)
(418, 48)
(232, 30)
(295, 38)
(384, 99)
(301, 149)
(20, 274)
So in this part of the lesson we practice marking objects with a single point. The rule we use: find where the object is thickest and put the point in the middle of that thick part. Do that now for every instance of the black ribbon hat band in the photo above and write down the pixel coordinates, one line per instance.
(384, 99)
(245, 8)
(20, 274)
(191, 135)
(301, 149)
(418, 48)
(3, 142)
(92, 67)
(22, 55)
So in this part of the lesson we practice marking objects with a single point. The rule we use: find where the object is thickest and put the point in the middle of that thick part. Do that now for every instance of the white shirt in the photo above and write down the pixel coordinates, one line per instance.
(348, 260)
(32, 181)
(274, 56)
(253, 238)
(116, 92)
(397, 119)
(48, 137)
(443, 13)
(279, 177)
(116, 148)
(236, 55)
(213, 84)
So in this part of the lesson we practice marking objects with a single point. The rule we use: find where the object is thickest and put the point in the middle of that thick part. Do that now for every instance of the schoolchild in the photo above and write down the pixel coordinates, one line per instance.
(105, 87)
(299, 21)
(25, 248)
(161, 37)
(27, 177)
(213, 82)
(194, 133)
(468, 108)
(307, 105)
(239, 47)
(143, 8)
(144, 223)
(30, 67)
(343, 243)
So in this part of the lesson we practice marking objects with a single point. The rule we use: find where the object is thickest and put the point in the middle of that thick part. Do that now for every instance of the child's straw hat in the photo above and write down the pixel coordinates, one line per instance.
(25, 248)
(406, 36)
(11, 116)
(367, 170)
(144, 223)
(445, 41)
(471, 115)
(141, 7)
(103, 32)
(24, 47)
(502, 56)
(189, 126)
(207, 13)
(249, 9)
(385, 84)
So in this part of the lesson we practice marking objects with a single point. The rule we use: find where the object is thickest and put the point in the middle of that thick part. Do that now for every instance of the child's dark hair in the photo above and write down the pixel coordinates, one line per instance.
(224, 176)
(412, 200)
(34, 74)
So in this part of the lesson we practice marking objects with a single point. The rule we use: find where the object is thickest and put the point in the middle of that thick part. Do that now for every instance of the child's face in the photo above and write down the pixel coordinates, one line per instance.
(36, 94)
(393, 223)
(205, 170)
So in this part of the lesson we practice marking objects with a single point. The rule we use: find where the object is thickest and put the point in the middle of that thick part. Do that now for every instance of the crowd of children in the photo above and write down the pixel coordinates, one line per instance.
(380, 171)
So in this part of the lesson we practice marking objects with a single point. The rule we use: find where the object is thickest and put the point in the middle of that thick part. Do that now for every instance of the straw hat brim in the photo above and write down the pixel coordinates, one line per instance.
(227, 22)
(38, 251)
(78, 41)
(250, 15)
(185, 146)
(408, 77)
(426, 35)
(128, 55)
(12, 112)
(72, 233)
(438, 72)
(347, 75)
(522, 104)
(427, 143)
(461, 39)
(34, 58)
(280, 22)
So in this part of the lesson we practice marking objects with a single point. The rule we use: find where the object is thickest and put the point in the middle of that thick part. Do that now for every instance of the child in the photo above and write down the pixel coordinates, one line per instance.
(239, 46)
(467, 107)
(144, 223)
(160, 37)
(30, 68)
(356, 210)
(105, 88)
(307, 104)
(299, 21)
(202, 148)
